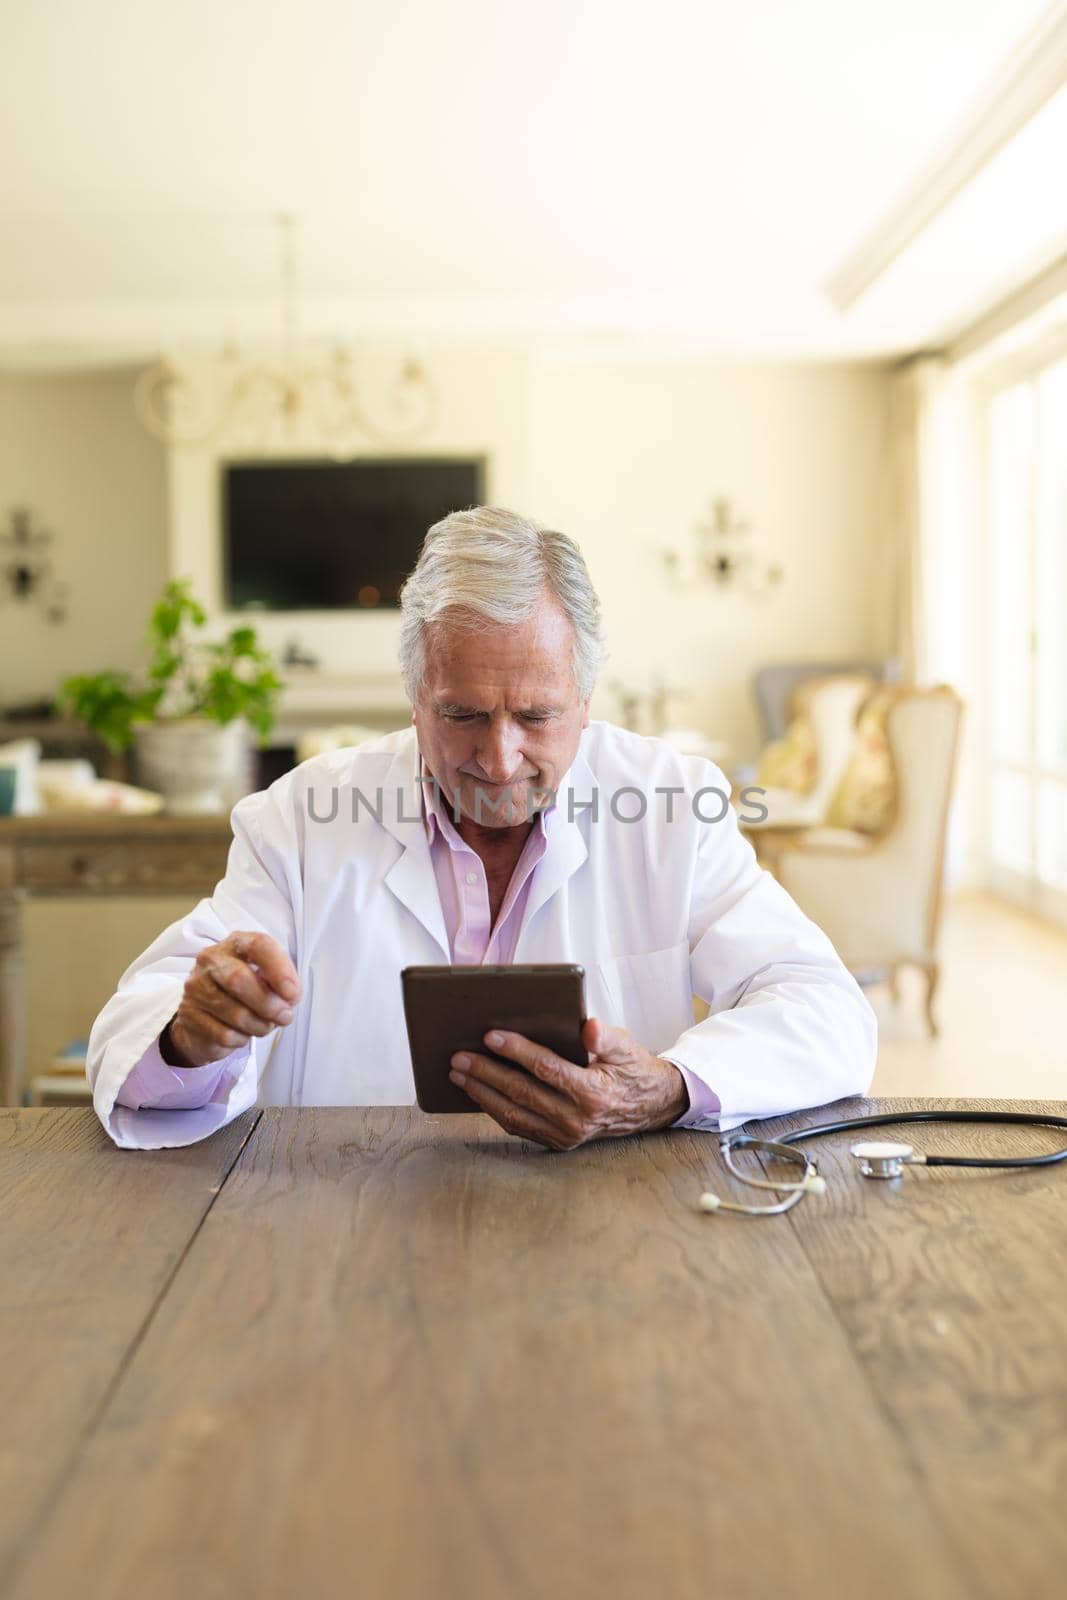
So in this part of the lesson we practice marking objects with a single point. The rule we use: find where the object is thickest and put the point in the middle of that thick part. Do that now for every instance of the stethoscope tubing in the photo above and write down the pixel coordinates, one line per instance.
(891, 1118)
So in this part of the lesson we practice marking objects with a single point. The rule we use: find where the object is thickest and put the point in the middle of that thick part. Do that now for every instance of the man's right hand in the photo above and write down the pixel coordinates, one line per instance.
(239, 989)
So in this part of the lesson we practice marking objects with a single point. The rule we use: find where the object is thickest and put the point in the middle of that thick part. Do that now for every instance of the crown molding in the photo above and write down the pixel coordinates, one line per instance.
(770, 324)
(1030, 76)
(1020, 307)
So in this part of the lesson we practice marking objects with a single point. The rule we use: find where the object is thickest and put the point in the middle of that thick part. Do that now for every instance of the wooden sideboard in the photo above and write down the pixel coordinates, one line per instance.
(90, 855)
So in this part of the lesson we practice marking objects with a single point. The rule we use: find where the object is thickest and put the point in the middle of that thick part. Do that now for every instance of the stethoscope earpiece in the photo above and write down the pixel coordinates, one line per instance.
(809, 1181)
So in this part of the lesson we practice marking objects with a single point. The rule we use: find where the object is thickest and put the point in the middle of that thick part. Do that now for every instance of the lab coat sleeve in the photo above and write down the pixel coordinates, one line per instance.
(788, 1026)
(261, 891)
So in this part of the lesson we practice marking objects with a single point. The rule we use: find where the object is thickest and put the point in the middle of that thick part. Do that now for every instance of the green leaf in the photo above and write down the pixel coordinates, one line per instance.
(243, 641)
(197, 677)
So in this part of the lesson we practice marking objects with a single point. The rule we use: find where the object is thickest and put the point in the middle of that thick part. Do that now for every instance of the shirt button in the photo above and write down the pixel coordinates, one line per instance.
(472, 878)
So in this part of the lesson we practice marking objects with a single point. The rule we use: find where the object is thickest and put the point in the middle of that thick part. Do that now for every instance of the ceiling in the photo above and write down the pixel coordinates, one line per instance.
(686, 170)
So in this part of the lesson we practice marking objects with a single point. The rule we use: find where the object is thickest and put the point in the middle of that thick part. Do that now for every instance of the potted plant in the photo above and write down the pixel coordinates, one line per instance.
(189, 717)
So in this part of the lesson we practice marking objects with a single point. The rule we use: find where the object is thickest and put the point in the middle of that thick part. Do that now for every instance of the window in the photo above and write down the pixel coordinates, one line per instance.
(1026, 638)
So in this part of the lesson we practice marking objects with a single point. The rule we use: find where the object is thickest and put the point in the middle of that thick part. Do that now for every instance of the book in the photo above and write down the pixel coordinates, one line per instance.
(70, 1061)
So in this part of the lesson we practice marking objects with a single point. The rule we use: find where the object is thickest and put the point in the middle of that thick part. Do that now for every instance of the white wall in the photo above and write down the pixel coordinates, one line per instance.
(627, 457)
(72, 452)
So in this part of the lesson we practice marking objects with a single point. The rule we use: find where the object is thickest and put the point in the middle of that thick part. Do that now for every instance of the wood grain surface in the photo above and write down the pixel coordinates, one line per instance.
(950, 1285)
(89, 1238)
(408, 1356)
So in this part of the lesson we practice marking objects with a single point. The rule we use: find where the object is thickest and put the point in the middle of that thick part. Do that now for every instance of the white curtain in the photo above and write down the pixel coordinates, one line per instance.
(911, 546)
(933, 552)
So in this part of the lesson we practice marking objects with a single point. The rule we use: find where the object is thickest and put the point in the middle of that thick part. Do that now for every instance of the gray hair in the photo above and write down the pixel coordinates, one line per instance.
(491, 565)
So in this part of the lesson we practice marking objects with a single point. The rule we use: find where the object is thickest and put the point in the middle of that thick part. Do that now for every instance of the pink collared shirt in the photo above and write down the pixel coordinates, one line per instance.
(474, 940)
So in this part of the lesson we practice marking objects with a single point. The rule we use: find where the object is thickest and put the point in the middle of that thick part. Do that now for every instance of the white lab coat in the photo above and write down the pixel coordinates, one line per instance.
(655, 910)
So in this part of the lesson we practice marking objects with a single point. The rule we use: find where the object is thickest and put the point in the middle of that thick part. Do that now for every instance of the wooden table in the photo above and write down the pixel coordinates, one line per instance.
(95, 855)
(366, 1352)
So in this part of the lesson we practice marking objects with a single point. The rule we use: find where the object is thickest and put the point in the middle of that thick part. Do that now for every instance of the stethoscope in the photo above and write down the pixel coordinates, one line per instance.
(877, 1158)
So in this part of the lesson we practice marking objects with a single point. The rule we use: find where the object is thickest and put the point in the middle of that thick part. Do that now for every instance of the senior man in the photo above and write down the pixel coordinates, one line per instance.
(504, 826)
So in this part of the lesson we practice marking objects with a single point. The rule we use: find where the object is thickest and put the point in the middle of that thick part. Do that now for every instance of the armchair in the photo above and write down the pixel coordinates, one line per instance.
(879, 899)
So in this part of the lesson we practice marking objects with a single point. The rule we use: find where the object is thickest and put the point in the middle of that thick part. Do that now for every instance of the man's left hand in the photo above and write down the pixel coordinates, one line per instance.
(624, 1089)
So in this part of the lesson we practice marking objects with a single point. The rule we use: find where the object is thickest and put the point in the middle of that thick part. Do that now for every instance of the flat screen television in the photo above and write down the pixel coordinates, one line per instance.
(318, 535)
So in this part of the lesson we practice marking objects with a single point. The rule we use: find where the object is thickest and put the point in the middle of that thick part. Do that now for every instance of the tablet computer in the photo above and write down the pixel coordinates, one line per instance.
(453, 1008)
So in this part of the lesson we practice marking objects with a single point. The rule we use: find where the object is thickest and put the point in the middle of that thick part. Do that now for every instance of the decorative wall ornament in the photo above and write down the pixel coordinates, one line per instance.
(727, 552)
(286, 399)
(647, 709)
(25, 570)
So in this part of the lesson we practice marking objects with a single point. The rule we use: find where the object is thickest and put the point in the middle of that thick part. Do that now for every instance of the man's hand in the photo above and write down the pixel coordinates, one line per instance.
(238, 989)
(624, 1089)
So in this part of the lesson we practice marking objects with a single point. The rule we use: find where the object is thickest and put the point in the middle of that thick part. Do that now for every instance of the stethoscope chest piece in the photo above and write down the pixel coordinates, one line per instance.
(882, 1158)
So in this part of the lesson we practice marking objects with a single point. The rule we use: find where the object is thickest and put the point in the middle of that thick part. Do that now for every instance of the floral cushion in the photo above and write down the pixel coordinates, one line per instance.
(865, 798)
(789, 762)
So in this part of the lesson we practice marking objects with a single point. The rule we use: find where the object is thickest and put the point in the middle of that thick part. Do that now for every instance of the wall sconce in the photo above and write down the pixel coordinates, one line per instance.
(25, 571)
(727, 552)
(645, 710)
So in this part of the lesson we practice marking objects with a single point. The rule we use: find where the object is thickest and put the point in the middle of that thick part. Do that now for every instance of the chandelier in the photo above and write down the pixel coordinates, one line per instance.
(290, 399)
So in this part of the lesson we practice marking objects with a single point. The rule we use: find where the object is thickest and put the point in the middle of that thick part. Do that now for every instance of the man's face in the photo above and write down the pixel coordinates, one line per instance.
(499, 713)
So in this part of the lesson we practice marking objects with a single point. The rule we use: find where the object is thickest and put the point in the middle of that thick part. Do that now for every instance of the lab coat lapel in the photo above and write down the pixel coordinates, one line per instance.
(567, 848)
(411, 878)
